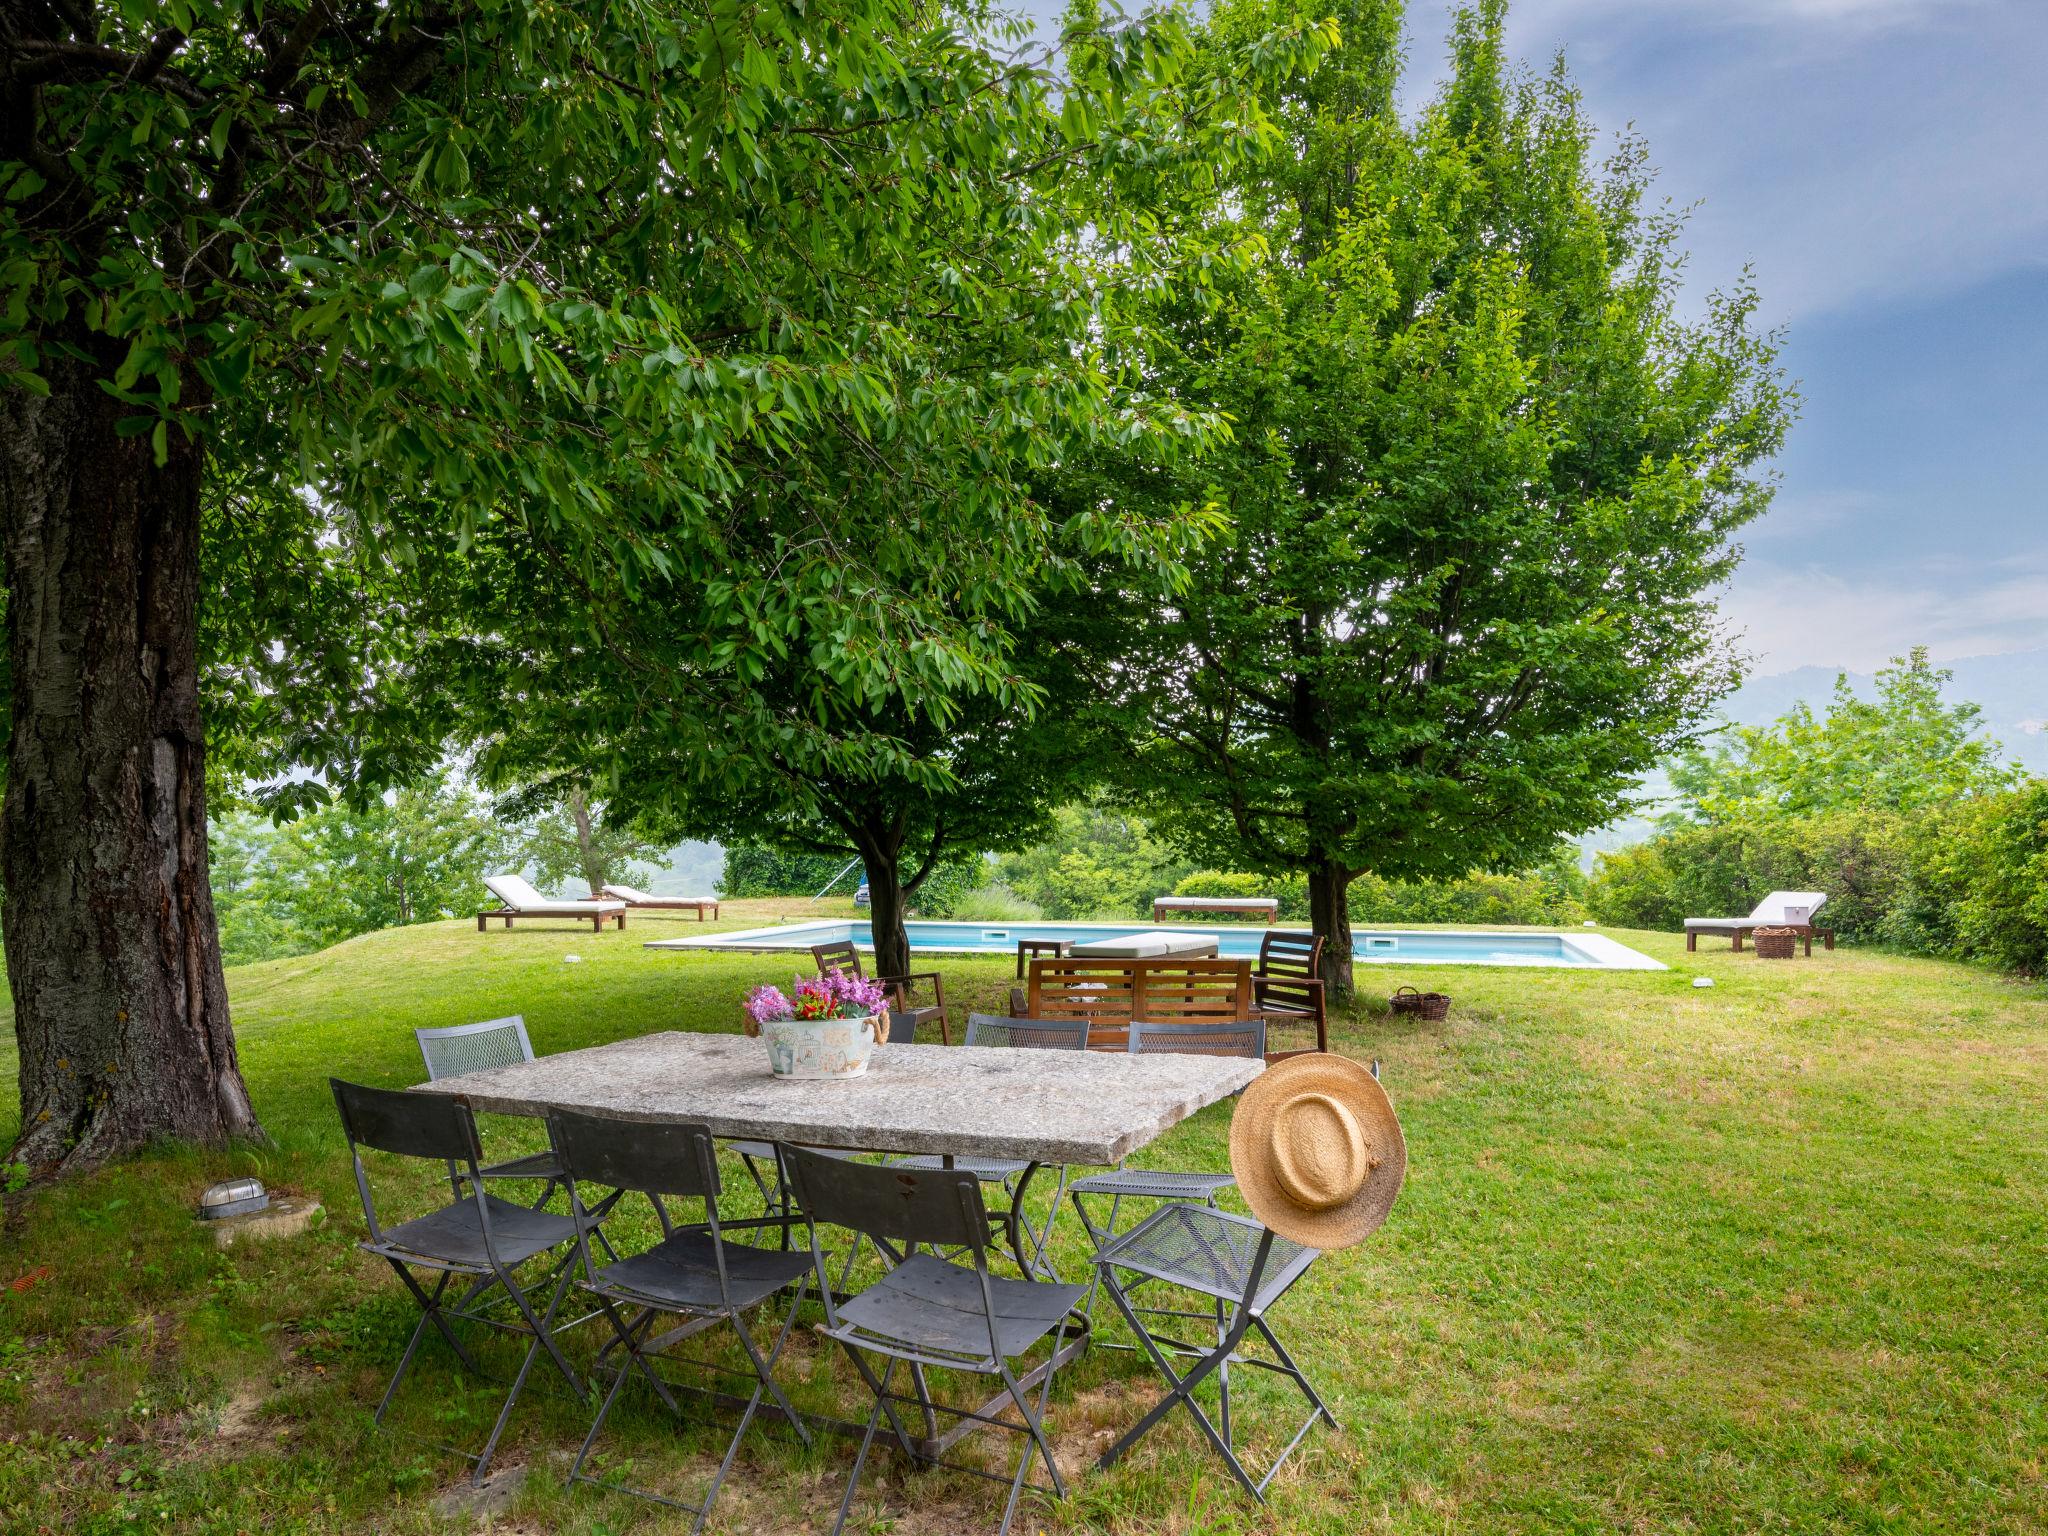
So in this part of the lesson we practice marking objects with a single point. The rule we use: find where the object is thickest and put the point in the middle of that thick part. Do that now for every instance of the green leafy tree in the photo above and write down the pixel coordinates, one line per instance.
(415, 855)
(570, 288)
(1485, 479)
(578, 842)
(1097, 861)
(1905, 749)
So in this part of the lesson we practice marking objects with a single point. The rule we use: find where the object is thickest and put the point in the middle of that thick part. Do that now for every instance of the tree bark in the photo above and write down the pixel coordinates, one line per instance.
(113, 958)
(886, 901)
(1329, 912)
(594, 871)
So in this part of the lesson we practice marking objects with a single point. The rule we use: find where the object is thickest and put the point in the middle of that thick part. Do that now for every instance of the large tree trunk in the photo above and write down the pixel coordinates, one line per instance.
(120, 1007)
(885, 916)
(1329, 912)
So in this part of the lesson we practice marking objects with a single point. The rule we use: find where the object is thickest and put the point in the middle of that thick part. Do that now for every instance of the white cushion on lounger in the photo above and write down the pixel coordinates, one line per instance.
(517, 892)
(1144, 946)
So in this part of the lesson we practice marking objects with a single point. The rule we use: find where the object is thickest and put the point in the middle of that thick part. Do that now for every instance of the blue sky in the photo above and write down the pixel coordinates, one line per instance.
(1883, 165)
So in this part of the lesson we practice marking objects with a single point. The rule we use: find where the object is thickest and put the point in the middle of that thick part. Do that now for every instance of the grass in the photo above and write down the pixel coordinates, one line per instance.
(1765, 1257)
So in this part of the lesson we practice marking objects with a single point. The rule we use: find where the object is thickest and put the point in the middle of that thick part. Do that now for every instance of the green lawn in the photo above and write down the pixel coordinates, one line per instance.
(1766, 1257)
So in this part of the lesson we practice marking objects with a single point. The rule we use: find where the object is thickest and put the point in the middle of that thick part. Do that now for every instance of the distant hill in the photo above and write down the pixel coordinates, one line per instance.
(2012, 690)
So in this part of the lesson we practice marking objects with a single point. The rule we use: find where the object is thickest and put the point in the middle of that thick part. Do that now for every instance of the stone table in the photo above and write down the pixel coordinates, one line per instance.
(1056, 1107)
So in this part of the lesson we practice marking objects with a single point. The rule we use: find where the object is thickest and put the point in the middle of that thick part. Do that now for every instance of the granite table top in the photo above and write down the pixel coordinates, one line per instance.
(1064, 1107)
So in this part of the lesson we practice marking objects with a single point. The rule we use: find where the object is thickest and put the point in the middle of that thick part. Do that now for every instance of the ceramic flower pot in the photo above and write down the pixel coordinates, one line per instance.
(822, 1050)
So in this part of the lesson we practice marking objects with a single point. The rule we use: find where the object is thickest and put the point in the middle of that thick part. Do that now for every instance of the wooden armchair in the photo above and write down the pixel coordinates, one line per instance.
(1287, 986)
(842, 957)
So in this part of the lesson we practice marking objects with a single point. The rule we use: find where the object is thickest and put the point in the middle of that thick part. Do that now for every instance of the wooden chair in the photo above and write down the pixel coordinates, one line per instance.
(841, 956)
(1288, 986)
(1110, 993)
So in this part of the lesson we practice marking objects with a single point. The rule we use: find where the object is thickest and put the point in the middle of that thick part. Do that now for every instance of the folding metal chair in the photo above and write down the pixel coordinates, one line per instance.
(1243, 1038)
(1245, 1268)
(990, 1032)
(478, 1235)
(929, 1314)
(694, 1273)
(451, 1050)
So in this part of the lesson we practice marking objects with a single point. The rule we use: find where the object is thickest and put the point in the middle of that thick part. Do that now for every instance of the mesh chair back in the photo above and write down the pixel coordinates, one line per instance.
(902, 1027)
(842, 955)
(1027, 1034)
(903, 1205)
(406, 1124)
(1238, 1038)
(460, 1048)
(627, 1154)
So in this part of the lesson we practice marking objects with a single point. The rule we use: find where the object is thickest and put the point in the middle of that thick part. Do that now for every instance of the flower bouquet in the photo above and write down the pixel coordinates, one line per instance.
(823, 1028)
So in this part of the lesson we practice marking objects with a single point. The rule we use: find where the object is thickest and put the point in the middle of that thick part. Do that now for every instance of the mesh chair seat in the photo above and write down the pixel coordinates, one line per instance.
(682, 1271)
(1154, 1184)
(453, 1236)
(929, 1304)
(1206, 1250)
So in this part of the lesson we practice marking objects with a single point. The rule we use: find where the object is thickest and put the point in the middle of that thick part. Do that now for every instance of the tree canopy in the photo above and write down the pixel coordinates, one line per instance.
(1906, 748)
(616, 308)
(1483, 480)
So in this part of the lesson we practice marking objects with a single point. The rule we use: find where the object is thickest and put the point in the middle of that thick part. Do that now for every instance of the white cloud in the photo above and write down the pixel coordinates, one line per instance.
(1809, 615)
(1854, 150)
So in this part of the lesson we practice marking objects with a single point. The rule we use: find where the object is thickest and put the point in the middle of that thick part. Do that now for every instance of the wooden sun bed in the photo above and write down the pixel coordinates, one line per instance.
(706, 907)
(1164, 907)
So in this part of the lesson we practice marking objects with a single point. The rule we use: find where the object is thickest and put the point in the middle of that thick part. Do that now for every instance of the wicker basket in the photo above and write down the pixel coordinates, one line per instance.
(1776, 943)
(1424, 1005)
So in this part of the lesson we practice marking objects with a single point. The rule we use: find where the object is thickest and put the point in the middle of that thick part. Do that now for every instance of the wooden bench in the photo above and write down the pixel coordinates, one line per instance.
(1108, 994)
(1268, 907)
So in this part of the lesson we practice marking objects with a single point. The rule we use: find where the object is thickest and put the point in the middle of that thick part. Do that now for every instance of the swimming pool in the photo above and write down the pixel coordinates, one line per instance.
(1390, 946)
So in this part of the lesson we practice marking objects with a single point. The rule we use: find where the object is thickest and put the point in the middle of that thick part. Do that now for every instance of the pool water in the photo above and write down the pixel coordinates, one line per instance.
(1585, 951)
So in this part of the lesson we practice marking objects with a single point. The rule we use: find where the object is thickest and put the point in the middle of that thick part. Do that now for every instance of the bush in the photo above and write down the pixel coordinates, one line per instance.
(752, 869)
(1543, 896)
(994, 903)
(1968, 880)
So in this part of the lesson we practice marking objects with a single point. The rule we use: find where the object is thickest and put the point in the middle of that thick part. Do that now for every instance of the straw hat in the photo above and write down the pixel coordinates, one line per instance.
(1317, 1150)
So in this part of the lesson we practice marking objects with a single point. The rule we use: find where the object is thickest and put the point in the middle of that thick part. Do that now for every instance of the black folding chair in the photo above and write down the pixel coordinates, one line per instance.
(929, 1314)
(693, 1273)
(478, 1235)
(1245, 1268)
(1225, 1038)
(991, 1032)
(453, 1049)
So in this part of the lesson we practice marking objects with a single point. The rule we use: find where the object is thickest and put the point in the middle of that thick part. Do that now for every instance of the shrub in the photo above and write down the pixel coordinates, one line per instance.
(1967, 880)
(753, 869)
(994, 903)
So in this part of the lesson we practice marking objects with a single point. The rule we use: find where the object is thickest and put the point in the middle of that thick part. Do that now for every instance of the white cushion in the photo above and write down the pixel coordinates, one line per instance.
(1141, 946)
(1213, 903)
(517, 892)
(1772, 908)
(640, 898)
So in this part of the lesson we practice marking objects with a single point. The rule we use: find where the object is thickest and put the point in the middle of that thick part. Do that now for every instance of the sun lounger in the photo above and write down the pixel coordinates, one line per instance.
(637, 900)
(1166, 908)
(1780, 909)
(522, 900)
(1144, 946)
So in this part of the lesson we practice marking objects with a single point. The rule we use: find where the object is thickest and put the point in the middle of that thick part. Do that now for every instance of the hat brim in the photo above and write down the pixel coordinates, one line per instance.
(1252, 1158)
